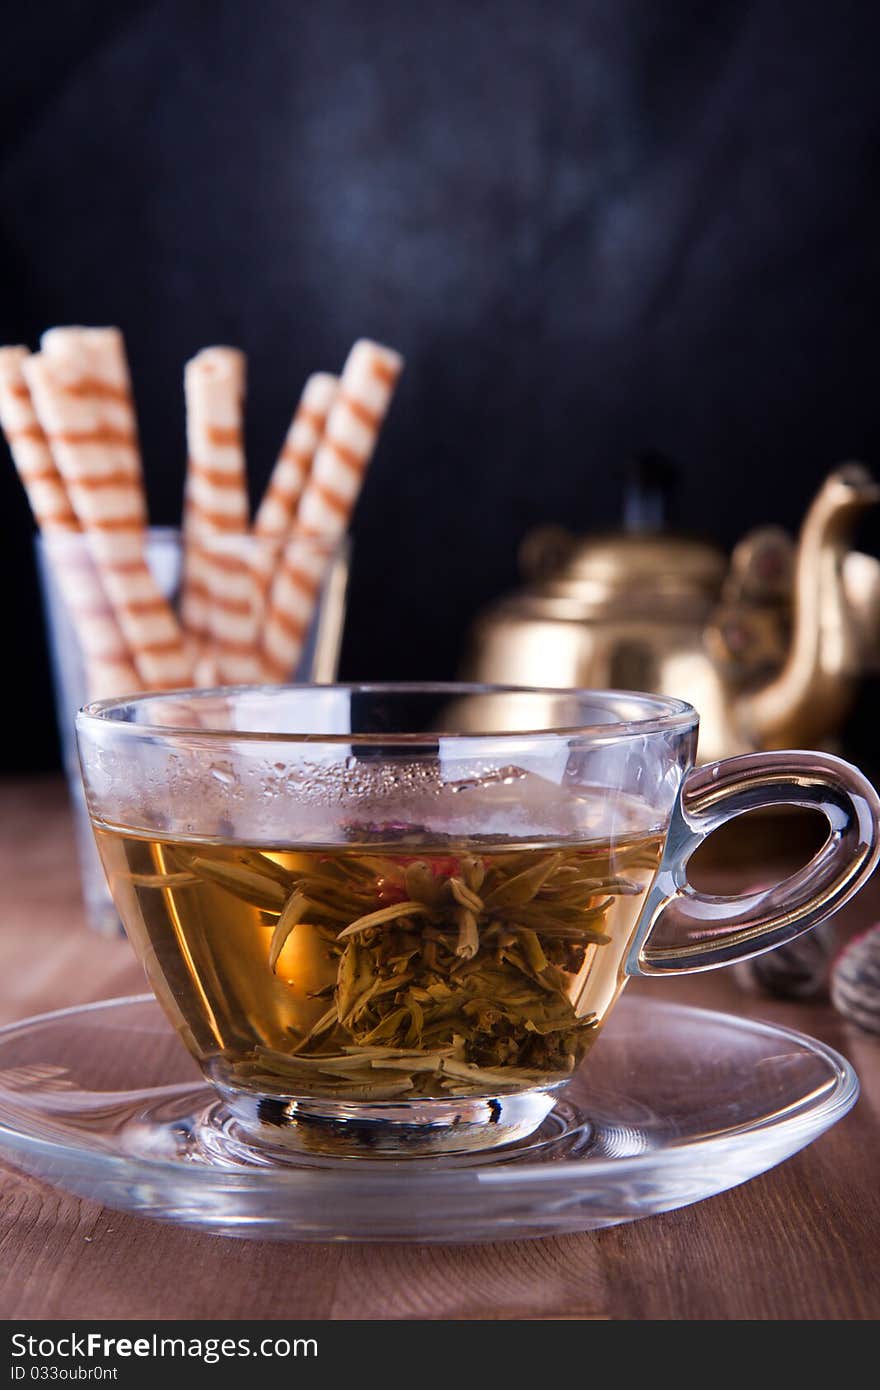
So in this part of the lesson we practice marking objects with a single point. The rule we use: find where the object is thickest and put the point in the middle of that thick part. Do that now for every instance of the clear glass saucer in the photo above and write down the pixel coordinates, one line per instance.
(675, 1104)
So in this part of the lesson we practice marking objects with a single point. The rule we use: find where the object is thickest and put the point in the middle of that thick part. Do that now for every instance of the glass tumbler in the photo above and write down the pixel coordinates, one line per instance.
(63, 561)
(395, 919)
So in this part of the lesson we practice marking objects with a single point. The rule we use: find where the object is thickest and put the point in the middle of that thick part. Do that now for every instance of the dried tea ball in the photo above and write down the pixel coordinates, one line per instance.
(855, 981)
(798, 970)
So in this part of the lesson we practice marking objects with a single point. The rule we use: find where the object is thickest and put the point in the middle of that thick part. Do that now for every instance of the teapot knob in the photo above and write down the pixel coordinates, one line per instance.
(649, 492)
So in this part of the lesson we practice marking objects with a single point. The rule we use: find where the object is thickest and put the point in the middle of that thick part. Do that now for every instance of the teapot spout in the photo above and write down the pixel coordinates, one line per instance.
(814, 690)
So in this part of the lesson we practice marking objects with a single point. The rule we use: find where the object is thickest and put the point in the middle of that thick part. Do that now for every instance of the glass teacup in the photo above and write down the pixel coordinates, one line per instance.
(390, 919)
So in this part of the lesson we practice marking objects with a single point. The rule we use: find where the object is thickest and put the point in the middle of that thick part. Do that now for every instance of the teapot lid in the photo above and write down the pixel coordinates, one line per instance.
(643, 559)
(641, 564)
(620, 565)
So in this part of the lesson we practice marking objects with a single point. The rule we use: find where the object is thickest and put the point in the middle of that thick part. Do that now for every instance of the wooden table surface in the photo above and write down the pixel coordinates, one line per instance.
(799, 1242)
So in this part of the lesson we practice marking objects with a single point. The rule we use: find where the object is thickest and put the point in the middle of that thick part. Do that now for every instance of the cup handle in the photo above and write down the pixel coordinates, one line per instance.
(704, 931)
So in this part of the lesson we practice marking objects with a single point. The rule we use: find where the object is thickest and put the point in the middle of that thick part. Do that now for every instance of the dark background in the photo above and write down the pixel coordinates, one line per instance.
(591, 227)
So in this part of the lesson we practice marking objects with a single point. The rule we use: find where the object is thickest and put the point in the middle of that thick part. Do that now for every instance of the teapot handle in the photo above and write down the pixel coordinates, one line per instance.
(682, 930)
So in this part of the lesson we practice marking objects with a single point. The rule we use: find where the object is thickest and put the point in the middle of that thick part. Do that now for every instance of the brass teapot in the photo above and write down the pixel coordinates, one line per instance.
(768, 647)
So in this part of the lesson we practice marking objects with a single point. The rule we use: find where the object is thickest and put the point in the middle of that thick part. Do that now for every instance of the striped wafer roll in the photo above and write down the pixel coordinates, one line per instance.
(275, 514)
(331, 490)
(109, 669)
(216, 485)
(276, 511)
(30, 451)
(214, 388)
(195, 594)
(96, 375)
(292, 601)
(365, 389)
(236, 609)
(98, 457)
(220, 597)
